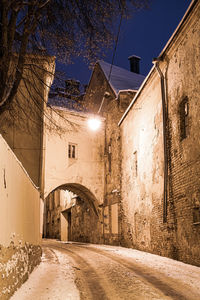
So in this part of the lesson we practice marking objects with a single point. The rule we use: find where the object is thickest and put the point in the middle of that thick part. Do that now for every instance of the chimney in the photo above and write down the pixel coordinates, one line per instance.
(134, 63)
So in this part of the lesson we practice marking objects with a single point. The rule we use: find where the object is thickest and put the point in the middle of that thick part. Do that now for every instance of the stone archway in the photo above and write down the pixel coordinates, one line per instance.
(84, 214)
(84, 194)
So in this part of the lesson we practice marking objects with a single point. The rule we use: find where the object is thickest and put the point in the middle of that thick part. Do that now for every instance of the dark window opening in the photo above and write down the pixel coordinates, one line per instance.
(72, 151)
(109, 156)
(196, 215)
(184, 118)
(135, 162)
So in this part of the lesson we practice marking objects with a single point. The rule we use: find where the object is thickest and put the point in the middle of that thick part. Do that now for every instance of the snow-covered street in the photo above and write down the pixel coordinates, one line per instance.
(87, 271)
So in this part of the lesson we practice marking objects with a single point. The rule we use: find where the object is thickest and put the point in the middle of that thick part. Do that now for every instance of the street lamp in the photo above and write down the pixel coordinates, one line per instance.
(94, 123)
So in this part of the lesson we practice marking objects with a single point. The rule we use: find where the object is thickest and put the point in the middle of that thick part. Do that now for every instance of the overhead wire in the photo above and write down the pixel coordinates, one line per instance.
(116, 43)
(113, 57)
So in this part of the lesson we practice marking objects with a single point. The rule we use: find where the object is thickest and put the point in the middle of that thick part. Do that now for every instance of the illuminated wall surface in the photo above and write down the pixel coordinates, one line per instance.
(20, 222)
(143, 223)
(85, 166)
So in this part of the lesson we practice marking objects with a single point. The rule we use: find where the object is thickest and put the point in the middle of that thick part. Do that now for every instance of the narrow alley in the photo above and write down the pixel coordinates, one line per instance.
(87, 271)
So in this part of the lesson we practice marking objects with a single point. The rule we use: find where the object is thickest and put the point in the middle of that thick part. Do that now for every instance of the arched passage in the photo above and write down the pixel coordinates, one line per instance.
(83, 192)
(74, 216)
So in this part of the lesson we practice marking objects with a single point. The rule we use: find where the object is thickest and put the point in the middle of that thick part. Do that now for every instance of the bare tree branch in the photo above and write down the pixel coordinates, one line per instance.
(66, 28)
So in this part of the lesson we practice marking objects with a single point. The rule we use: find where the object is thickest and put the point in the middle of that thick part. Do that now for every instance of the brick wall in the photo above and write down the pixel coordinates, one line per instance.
(53, 210)
(184, 81)
(143, 226)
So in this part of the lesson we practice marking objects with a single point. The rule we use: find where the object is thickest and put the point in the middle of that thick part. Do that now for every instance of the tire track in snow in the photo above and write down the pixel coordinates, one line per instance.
(88, 276)
(145, 290)
(165, 287)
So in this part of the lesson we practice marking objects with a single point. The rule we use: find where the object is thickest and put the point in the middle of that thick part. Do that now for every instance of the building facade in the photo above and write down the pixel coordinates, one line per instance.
(99, 170)
(160, 151)
(149, 145)
(74, 161)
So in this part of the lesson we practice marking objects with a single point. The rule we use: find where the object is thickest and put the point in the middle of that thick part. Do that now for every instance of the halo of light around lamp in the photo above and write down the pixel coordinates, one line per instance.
(94, 123)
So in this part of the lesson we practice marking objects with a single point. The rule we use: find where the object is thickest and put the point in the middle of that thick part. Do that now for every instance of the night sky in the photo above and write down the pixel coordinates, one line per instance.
(144, 35)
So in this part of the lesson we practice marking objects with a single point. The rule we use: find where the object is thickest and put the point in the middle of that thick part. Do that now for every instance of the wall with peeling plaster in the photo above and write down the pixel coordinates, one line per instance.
(142, 172)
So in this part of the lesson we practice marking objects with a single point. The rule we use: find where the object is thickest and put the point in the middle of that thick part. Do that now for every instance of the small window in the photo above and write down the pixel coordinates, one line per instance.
(196, 215)
(184, 118)
(72, 149)
(135, 161)
(109, 156)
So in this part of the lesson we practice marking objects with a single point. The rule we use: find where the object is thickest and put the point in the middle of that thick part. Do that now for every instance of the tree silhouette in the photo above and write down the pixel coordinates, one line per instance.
(41, 28)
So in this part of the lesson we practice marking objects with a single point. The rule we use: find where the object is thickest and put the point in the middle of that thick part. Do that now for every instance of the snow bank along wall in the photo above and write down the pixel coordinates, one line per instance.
(20, 223)
(145, 224)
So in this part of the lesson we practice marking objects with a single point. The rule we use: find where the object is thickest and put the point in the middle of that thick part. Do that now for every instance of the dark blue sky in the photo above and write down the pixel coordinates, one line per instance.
(144, 35)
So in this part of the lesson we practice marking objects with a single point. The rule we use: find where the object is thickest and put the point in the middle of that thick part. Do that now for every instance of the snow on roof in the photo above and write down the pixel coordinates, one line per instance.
(134, 56)
(65, 103)
(121, 79)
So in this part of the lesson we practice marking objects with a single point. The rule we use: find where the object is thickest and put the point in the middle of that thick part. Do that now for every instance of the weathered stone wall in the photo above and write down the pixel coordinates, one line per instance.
(183, 80)
(85, 225)
(20, 237)
(113, 111)
(16, 263)
(142, 224)
(52, 217)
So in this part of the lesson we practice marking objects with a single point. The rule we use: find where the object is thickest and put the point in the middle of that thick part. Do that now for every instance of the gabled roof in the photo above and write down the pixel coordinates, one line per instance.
(121, 79)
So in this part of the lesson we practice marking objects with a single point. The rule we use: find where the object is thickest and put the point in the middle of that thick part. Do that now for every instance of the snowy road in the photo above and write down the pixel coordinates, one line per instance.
(86, 271)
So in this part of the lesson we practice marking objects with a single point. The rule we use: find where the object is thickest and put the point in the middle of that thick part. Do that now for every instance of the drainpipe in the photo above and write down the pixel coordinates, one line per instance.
(164, 113)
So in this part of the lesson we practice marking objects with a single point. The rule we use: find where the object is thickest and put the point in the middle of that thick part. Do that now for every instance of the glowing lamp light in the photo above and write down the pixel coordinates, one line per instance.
(94, 123)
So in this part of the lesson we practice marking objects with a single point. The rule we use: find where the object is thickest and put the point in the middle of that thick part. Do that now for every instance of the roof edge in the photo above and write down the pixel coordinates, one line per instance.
(179, 27)
(136, 96)
(168, 44)
(111, 86)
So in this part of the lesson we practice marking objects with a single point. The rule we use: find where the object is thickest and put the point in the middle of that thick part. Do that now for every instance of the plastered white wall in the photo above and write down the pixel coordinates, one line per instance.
(88, 167)
(20, 201)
